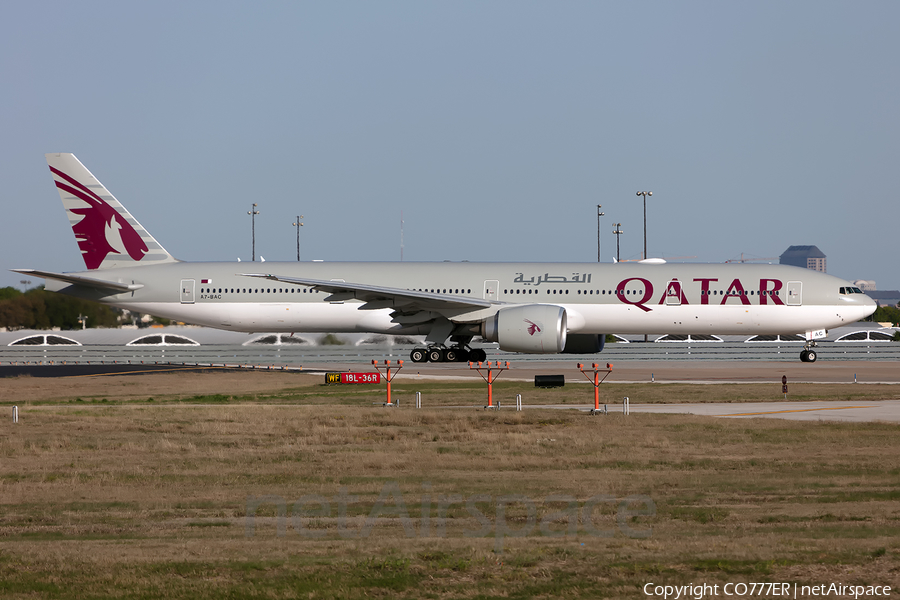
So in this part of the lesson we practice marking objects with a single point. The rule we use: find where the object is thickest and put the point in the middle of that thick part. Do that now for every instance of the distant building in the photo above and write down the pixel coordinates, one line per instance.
(865, 285)
(806, 257)
(886, 297)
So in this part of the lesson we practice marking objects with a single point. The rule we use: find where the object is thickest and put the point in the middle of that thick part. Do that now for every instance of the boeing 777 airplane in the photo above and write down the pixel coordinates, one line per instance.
(525, 307)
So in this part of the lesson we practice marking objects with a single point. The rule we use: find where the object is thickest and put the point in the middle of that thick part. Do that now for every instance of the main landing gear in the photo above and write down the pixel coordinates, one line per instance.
(808, 354)
(443, 354)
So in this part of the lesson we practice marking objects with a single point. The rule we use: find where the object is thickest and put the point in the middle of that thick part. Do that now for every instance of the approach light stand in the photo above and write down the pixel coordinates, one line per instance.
(298, 224)
(618, 231)
(491, 369)
(253, 212)
(388, 378)
(596, 370)
(599, 214)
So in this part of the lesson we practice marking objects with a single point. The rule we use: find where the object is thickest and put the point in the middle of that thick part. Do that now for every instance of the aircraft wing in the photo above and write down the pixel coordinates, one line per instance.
(115, 287)
(377, 297)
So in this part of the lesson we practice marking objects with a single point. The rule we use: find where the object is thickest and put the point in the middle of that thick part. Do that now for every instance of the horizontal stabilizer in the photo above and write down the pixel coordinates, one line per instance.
(100, 284)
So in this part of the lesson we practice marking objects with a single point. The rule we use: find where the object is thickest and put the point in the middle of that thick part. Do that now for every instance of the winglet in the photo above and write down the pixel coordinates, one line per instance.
(107, 235)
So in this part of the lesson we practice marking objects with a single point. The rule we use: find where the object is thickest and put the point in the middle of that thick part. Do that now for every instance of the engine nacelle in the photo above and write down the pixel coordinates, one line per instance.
(585, 343)
(532, 328)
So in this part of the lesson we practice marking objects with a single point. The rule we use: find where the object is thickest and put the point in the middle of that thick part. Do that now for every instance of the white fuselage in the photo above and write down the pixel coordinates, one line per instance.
(598, 298)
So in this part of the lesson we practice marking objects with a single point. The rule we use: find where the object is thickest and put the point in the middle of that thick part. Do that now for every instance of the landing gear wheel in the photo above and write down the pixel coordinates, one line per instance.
(811, 356)
(803, 356)
(418, 355)
(462, 355)
(435, 355)
(450, 355)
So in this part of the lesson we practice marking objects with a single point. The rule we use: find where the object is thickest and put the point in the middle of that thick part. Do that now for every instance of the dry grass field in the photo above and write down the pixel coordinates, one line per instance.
(271, 485)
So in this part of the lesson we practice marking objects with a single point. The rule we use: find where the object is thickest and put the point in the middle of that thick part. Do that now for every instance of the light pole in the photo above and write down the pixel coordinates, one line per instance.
(298, 224)
(253, 212)
(645, 194)
(618, 231)
(599, 214)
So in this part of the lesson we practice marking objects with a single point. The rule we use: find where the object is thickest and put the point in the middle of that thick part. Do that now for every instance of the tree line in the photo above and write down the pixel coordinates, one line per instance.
(886, 314)
(39, 309)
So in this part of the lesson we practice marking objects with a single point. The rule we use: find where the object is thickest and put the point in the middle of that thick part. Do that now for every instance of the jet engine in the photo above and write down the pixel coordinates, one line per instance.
(532, 328)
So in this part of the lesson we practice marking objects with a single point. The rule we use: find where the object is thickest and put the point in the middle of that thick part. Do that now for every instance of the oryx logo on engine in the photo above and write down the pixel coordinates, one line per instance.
(533, 327)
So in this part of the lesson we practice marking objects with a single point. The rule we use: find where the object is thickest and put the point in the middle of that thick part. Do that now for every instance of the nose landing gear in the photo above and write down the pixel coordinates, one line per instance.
(808, 354)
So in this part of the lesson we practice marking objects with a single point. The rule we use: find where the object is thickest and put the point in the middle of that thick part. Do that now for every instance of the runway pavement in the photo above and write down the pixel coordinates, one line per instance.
(643, 371)
(839, 410)
(632, 371)
(96, 370)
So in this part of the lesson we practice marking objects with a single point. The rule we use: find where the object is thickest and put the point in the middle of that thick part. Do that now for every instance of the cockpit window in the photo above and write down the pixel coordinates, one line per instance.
(851, 290)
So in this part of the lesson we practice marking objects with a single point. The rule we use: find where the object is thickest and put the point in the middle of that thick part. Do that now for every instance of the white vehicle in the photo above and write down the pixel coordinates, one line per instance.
(525, 307)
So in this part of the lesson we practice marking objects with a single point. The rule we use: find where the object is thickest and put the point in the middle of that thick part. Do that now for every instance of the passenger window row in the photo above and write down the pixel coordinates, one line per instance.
(442, 291)
(533, 291)
(257, 291)
(741, 293)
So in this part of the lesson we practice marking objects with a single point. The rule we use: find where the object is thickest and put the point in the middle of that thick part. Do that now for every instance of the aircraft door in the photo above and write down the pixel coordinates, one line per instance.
(794, 293)
(491, 291)
(187, 291)
(673, 293)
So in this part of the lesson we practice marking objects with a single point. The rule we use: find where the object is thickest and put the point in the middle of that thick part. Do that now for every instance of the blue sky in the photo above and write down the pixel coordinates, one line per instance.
(495, 127)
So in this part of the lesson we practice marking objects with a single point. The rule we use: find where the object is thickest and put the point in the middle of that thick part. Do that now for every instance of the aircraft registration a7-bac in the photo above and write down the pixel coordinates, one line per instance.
(525, 307)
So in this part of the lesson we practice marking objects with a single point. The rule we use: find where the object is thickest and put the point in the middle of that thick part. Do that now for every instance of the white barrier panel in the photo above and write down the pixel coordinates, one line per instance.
(15, 414)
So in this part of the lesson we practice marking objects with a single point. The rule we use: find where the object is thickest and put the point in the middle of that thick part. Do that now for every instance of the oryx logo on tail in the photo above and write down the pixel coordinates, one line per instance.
(101, 230)
(107, 234)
